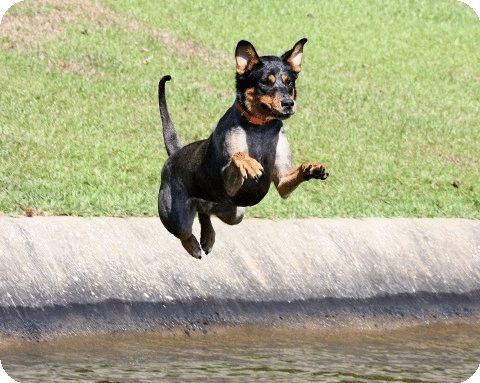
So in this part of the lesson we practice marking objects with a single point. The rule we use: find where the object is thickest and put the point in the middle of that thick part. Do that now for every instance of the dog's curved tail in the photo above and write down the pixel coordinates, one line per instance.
(170, 136)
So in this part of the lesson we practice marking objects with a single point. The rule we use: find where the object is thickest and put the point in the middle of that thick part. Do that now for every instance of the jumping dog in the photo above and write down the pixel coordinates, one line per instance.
(248, 150)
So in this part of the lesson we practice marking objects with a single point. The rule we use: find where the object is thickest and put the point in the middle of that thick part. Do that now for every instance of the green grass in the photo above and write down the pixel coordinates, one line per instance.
(389, 100)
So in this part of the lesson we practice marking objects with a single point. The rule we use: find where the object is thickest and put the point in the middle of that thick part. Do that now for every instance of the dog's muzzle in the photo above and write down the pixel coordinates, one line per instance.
(288, 108)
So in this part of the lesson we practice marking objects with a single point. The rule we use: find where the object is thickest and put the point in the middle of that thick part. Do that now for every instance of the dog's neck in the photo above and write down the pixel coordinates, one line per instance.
(255, 120)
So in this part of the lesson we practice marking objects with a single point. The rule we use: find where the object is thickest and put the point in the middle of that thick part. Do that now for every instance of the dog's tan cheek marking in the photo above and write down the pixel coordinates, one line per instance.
(252, 103)
(266, 100)
(272, 102)
(249, 99)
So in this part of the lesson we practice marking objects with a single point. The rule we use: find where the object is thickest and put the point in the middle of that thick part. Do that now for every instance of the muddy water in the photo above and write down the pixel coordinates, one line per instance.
(434, 353)
(65, 276)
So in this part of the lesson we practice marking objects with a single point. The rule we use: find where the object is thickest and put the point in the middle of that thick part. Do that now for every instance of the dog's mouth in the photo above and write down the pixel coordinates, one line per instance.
(281, 113)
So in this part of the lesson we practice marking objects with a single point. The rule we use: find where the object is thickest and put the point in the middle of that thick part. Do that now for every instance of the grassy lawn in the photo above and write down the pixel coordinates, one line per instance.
(389, 100)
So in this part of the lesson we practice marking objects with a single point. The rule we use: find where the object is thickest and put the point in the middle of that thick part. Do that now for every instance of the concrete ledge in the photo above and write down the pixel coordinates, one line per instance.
(64, 275)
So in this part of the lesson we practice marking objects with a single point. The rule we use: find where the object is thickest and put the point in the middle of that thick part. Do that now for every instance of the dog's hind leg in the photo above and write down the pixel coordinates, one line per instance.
(207, 234)
(232, 216)
(190, 244)
(177, 212)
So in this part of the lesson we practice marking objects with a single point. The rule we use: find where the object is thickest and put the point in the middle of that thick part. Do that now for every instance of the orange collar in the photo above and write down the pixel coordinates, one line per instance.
(253, 119)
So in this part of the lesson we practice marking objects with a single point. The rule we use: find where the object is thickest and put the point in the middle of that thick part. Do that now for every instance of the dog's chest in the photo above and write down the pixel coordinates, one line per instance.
(261, 144)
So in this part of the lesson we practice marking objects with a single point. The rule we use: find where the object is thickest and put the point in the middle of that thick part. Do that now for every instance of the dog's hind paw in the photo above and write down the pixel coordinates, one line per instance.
(193, 248)
(207, 233)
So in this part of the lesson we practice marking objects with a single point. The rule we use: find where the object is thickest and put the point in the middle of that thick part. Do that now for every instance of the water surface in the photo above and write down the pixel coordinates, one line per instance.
(435, 353)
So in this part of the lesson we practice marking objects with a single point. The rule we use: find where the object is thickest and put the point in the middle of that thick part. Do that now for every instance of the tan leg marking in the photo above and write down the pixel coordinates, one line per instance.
(294, 177)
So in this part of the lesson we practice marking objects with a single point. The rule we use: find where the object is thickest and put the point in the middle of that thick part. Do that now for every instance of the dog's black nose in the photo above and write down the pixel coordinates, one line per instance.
(288, 103)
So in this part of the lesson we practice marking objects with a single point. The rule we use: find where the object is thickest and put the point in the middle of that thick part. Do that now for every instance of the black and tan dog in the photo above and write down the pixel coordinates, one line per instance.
(248, 150)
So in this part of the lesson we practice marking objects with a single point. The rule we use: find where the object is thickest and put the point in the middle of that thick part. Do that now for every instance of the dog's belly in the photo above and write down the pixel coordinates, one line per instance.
(252, 192)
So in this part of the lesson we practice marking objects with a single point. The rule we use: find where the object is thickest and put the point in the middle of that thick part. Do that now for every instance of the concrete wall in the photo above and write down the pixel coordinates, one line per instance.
(62, 275)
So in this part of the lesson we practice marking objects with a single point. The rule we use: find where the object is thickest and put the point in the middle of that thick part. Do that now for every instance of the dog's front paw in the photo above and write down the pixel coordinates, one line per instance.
(241, 167)
(247, 166)
(314, 170)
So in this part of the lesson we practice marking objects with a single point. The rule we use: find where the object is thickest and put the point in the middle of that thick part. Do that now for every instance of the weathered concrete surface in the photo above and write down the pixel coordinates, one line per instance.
(67, 274)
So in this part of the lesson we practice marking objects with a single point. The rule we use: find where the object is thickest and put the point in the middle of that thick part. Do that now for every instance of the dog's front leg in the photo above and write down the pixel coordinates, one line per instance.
(240, 168)
(289, 181)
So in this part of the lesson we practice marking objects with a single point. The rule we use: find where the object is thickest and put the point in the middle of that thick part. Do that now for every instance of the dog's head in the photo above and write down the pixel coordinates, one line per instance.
(266, 85)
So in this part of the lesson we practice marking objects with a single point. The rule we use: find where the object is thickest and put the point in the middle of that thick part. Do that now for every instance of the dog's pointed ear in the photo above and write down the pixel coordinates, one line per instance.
(246, 57)
(294, 56)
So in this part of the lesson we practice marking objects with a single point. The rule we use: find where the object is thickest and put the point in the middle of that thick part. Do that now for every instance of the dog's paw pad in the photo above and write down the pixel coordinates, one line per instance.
(314, 170)
(207, 240)
(319, 173)
(192, 246)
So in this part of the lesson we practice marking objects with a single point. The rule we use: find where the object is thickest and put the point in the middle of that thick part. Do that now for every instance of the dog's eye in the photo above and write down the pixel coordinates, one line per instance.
(286, 80)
